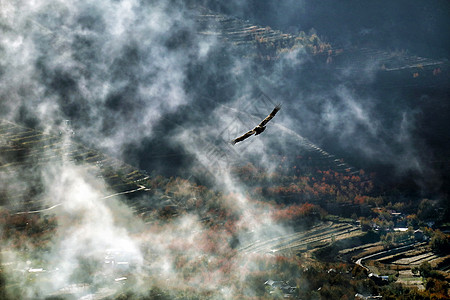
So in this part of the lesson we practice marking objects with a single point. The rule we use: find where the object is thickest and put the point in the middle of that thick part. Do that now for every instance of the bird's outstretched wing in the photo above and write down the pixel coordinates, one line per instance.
(243, 137)
(269, 117)
(258, 129)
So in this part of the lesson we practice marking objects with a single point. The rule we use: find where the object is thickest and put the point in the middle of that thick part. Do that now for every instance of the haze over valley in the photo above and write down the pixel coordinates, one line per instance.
(119, 178)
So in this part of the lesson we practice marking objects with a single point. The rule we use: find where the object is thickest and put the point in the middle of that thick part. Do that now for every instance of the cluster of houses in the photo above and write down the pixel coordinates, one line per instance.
(280, 287)
(399, 222)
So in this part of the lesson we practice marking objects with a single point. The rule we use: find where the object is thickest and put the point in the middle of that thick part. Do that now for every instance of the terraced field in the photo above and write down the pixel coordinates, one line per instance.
(319, 158)
(413, 260)
(317, 236)
(23, 150)
(252, 40)
(401, 260)
(414, 257)
(238, 31)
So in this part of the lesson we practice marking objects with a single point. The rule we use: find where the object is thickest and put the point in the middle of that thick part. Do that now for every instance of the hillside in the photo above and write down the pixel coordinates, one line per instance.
(119, 180)
(292, 202)
(23, 150)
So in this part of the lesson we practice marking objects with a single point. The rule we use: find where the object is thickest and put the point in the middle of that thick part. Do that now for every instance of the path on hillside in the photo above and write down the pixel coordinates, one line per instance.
(384, 253)
(140, 188)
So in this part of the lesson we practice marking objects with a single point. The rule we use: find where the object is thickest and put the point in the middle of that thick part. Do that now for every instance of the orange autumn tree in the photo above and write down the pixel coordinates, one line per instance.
(295, 214)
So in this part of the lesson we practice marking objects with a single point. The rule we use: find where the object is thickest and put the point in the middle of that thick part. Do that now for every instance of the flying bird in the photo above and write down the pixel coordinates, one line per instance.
(258, 129)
